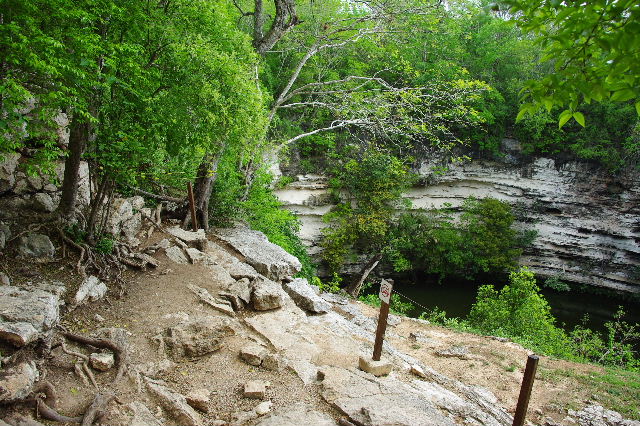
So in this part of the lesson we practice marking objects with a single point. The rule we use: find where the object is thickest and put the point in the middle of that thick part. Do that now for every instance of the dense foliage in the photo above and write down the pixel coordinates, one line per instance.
(518, 311)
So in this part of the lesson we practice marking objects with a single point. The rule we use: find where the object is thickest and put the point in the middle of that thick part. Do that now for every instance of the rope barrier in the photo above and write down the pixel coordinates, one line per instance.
(411, 300)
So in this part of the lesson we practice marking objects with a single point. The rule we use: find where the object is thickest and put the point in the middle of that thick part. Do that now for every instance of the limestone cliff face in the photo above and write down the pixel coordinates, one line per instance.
(588, 222)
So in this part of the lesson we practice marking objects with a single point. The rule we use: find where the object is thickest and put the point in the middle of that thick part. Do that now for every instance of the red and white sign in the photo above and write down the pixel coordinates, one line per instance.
(385, 291)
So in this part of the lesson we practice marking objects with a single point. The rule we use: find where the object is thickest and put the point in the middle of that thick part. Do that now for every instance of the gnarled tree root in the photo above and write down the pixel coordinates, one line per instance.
(119, 352)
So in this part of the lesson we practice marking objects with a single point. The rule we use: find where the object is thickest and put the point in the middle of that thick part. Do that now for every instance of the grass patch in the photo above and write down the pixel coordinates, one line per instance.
(616, 389)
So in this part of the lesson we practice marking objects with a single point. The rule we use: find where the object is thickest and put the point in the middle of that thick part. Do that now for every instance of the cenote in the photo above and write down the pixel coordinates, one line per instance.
(569, 308)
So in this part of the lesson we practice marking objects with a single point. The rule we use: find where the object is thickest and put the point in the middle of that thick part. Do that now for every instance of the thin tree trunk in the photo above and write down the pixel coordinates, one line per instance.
(354, 288)
(203, 188)
(78, 136)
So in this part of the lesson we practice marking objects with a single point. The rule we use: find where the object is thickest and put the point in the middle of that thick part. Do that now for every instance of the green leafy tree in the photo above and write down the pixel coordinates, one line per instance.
(594, 48)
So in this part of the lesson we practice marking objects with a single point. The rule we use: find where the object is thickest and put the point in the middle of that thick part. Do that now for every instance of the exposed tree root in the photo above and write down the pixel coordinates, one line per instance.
(49, 391)
(44, 411)
(97, 408)
(119, 352)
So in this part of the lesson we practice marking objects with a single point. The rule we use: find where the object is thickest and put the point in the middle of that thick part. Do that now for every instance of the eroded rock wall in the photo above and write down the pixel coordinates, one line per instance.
(588, 221)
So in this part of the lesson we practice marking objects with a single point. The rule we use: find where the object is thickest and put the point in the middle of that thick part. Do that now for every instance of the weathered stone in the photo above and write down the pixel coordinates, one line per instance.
(194, 255)
(597, 415)
(199, 399)
(418, 371)
(223, 306)
(220, 276)
(198, 337)
(368, 401)
(17, 382)
(393, 320)
(131, 226)
(304, 296)
(176, 255)
(4, 279)
(377, 368)
(263, 408)
(461, 352)
(91, 289)
(175, 404)
(137, 202)
(102, 361)
(8, 165)
(44, 202)
(273, 362)
(266, 294)
(267, 258)
(120, 212)
(253, 354)
(142, 416)
(238, 293)
(26, 315)
(36, 245)
(192, 239)
(299, 414)
(255, 389)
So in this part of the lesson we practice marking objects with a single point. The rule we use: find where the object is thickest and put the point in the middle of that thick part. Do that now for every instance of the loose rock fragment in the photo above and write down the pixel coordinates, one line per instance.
(377, 368)
(252, 354)
(102, 361)
(255, 389)
(199, 399)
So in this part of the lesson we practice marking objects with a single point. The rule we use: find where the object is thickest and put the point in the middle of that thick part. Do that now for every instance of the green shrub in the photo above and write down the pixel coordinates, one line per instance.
(520, 312)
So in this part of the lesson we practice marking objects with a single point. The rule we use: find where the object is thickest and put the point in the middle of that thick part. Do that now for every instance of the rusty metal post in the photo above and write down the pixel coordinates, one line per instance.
(525, 390)
(382, 322)
(192, 206)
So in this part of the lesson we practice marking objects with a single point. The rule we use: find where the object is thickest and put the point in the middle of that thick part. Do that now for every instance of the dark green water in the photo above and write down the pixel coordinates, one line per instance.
(569, 308)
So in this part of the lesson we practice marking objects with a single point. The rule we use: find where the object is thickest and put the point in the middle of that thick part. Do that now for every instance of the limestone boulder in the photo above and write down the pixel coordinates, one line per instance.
(8, 165)
(192, 239)
(175, 403)
(266, 294)
(238, 293)
(35, 245)
(26, 315)
(198, 337)
(265, 257)
(299, 414)
(91, 289)
(17, 382)
(304, 296)
(176, 255)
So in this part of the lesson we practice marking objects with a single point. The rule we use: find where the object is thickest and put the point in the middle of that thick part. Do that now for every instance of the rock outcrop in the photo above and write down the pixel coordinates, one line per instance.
(587, 220)
(266, 258)
(27, 314)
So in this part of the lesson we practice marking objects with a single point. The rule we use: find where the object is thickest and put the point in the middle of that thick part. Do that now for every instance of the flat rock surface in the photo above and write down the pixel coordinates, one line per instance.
(26, 315)
(175, 403)
(266, 294)
(298, 415)
(268, 259)
(304, 296)
(17, 382)
(199, 336)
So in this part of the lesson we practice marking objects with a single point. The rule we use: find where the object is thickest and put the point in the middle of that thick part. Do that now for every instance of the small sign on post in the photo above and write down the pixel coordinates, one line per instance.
(386, 288)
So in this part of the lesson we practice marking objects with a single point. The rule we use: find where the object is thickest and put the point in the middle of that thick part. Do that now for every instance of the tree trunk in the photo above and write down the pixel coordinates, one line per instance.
(354, 288)
(78, 136)
(285, 19)
(203, 188)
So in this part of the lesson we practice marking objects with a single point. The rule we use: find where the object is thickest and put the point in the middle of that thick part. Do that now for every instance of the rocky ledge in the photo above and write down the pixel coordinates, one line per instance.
(588, 221)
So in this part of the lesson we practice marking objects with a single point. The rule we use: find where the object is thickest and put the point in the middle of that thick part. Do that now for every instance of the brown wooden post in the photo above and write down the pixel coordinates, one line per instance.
(385, 297)
(192, 206)
(525, 390)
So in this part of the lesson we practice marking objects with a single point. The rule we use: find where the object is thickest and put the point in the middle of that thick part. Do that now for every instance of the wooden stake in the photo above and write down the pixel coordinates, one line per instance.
(386, 288)
(525, 390)
(192, 205)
